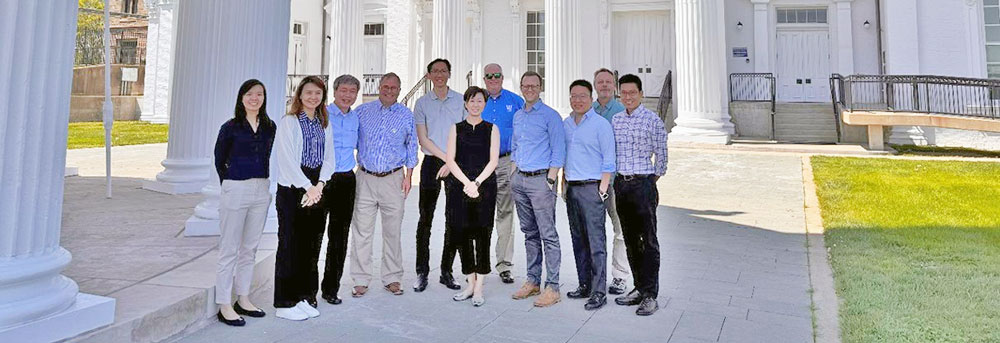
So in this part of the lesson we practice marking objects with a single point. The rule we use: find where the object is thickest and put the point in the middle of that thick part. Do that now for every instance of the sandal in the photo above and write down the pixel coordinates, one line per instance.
(394, 288)
(359, 291)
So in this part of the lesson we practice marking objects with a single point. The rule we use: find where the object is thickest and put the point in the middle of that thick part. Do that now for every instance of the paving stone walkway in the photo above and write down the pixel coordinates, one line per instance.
(734, 269)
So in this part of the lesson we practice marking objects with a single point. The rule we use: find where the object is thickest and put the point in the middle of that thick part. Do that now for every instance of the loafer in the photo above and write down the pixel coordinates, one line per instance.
(580, 293)
(449, 281)
(647, 307)
(633, 298)
(505, 277)
(421, 284)
(618, 286)
(461, 296)
(240, 310)
(233, 322)
(596, 301)
(332, 299)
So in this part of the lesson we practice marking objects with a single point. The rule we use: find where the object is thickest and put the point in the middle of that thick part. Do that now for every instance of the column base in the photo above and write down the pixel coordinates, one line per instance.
(196, 226)
(72, 171)
(698, 136)
(87, 313)
(173, 188)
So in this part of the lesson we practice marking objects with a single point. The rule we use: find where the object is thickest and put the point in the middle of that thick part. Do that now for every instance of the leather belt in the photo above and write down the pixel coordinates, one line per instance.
(380, 174)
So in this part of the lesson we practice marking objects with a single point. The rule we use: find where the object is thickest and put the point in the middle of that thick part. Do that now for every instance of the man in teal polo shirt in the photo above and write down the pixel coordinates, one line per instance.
(607, 106)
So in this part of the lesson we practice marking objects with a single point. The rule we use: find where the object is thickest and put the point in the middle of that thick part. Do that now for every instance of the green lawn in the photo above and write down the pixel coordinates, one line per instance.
(915, 248)
(91, 134)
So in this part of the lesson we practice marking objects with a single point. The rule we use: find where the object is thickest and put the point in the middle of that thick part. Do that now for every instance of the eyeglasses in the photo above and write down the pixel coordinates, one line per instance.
(493, 76)
(529, 87)
(630, 93)
(439, 71)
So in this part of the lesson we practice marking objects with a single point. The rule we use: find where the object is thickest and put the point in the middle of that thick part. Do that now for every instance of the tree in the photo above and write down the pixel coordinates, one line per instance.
(89, 34)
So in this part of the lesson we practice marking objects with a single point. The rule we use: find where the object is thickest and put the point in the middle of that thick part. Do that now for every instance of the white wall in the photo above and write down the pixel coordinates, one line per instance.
(312, 14)
(943, 36)
(503, 32)
(865, 40)
(738, 11)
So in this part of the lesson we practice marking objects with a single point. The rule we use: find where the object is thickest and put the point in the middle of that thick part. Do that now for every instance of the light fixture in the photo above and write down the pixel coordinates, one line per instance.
(739, 26)
(866, 24)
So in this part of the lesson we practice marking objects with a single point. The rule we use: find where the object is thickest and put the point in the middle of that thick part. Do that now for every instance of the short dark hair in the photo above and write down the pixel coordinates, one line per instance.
(472, 91)
(631, 78)
(436, 60)
(532, 73)
(582, 83)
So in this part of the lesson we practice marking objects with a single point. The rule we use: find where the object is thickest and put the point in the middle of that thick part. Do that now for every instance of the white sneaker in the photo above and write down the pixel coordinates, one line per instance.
(307, 309)
(291, 313)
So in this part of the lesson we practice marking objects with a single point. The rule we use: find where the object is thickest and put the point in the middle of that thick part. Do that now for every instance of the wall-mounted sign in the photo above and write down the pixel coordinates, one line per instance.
(740, 51)
(130, 74)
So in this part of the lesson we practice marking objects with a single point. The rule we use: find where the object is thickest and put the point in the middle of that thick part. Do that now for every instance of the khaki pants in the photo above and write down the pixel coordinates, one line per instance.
(377, 195)
(504, 216)
(242, 212)
(619, 260)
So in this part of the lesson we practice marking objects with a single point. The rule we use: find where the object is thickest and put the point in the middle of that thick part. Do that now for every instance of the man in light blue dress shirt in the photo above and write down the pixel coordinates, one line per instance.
(500, 108)
(339, 193)
(538, 151)
(435, 114)
(590, 161)
(387, 154)
(607, 106)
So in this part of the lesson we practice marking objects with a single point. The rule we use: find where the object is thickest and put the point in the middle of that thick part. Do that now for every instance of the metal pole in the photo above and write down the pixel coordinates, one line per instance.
(108, 106)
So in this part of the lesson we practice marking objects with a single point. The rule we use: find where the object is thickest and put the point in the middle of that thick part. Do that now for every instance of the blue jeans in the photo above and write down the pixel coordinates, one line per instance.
(536, 209)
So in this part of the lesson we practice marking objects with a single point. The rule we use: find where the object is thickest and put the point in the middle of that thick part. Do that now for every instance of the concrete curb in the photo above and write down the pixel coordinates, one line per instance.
(824, 297)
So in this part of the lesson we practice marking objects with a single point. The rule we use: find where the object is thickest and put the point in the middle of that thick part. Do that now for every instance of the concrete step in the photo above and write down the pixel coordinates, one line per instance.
(795, 127)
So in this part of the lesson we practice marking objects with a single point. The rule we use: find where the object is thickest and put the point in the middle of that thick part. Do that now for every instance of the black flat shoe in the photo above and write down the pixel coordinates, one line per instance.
(632, 299)
(505, 277)
(579, 293)
(240, 310)
(234, 322)
(332, 299)
(448, 281)
(597, 300)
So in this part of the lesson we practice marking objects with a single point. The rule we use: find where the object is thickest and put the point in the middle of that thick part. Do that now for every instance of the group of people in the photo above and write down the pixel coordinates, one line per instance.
(491, 150)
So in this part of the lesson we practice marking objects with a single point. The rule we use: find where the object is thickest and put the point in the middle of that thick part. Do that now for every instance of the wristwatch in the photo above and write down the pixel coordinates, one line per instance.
(477, 183)
(551, 181)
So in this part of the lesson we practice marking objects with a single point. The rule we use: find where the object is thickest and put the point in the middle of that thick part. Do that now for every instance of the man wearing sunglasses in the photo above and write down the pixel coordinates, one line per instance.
(500, 108)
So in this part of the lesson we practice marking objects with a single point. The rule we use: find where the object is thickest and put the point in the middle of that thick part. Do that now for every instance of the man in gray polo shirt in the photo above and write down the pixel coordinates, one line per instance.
(434, 114)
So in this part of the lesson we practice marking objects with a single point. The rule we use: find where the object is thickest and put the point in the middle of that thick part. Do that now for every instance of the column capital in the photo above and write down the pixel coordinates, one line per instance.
(760, 2)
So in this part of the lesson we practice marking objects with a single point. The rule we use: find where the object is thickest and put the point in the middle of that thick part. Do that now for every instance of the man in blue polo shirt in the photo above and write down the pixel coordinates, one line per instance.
(500, 108)
(607, 106)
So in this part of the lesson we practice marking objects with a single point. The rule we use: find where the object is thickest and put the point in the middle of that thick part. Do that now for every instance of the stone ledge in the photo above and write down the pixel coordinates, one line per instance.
(87, 313)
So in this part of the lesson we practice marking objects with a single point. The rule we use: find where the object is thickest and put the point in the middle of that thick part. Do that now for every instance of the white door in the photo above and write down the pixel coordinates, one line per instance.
(803, 66)
(641, 46)
(374, 55)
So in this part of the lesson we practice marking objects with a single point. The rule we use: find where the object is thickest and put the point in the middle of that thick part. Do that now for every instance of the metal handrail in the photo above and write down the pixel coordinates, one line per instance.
(754, 87)
(468, 80)
(930, 94)
(837, 98)
(423, 84)
(666, 96)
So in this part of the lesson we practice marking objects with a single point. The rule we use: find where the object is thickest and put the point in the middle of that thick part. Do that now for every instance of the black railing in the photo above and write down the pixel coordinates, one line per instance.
(946, 95)
(666, 97)
(419, 89)
(753, 87)
(369, 87)
(293, 80)
(837, 97)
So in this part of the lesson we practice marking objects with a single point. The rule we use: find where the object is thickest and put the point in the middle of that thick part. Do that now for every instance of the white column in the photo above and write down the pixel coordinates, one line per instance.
(976, 42)
(761, 36)
(475, 53)
(702, 94)
(902, 57)
(450, 39)
(845, 38)
(37, 303)
(346, 49)
(149, 80)
(399, 34)
(212, 35)
(159, 61)
(562, 52)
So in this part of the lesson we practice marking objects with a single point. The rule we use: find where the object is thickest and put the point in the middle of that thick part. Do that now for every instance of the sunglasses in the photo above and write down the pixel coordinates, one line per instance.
(493, 76)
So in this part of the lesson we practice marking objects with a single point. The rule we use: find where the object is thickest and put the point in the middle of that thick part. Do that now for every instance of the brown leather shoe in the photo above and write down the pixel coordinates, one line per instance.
(394, 288)
(549, 297)
(527, 290)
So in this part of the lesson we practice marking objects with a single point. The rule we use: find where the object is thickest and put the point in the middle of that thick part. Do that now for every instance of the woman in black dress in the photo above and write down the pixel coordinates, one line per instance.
(473, 150)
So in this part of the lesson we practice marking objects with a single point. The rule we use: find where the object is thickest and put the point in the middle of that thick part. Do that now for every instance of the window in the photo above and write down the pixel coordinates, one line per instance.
(128, 51)
(374, 29)
(536, 42)
(802, 16)
(299, 29)
(991, 11)
(130, 6)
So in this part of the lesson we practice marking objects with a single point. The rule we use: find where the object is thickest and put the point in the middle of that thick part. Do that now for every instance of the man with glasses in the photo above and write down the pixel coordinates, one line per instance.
(434, 114)
(538, 149)
(607, 106)
(500, 108)
(639, 137)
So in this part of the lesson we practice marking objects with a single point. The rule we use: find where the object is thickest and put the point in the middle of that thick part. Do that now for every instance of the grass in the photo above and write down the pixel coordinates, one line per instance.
(914, 246)
(927, 150)
(91, 134)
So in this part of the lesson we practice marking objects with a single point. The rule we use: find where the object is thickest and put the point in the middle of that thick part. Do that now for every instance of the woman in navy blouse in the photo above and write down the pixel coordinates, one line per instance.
(305, 157)
(242, 152)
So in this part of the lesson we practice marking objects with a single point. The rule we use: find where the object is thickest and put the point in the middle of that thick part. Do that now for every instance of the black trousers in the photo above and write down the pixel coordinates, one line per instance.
(300, 235)
(430, 189)
(338, 198)
(637, 199)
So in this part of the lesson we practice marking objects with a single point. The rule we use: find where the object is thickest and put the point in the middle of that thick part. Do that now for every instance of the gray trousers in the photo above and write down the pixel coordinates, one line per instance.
(242, 212)
(536, 210)
(505, 216)
(585, 210)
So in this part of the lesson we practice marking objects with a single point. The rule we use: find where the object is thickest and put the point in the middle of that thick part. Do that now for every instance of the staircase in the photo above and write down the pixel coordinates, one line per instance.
(805, 123)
